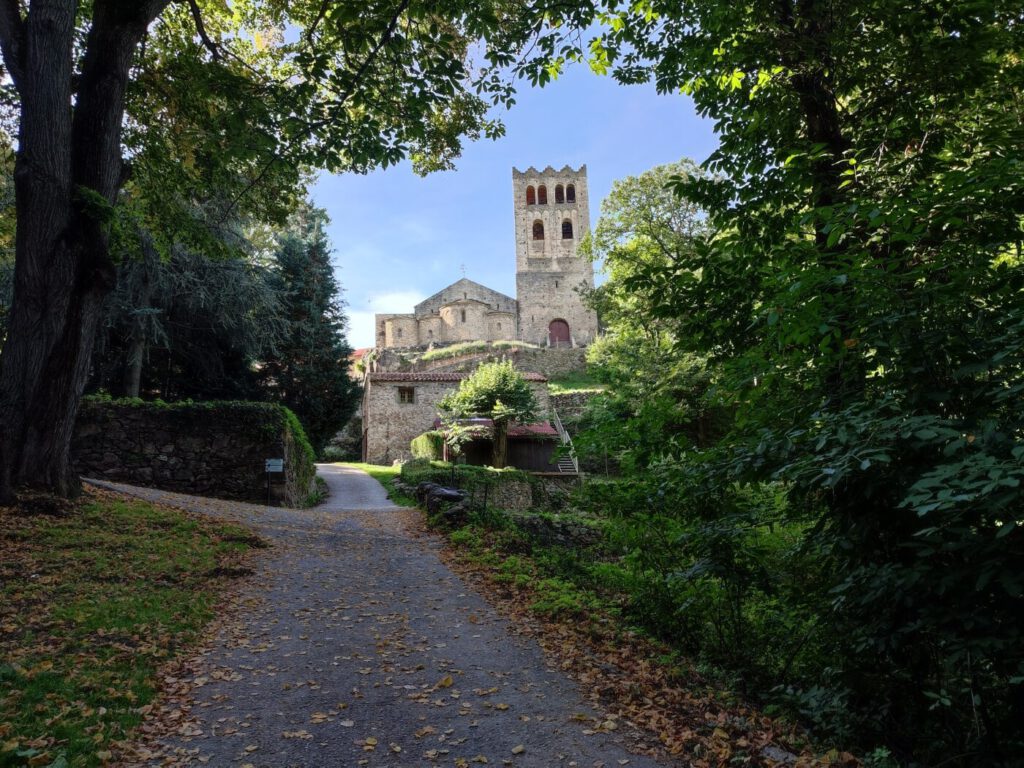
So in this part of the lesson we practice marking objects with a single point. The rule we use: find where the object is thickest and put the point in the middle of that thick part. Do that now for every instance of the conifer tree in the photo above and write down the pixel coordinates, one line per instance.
(309, 373)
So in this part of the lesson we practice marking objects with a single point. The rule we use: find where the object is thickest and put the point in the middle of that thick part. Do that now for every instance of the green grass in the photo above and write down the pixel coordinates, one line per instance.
(319, 493)
(383, 475)
(455, 350)
(92, 603)
(577, 381)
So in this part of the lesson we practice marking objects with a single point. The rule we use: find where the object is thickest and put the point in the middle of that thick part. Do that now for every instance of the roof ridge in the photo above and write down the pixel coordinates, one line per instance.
(438, 376)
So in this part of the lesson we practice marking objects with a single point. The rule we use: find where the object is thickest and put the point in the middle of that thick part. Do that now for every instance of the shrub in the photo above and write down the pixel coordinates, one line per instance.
(429, 445)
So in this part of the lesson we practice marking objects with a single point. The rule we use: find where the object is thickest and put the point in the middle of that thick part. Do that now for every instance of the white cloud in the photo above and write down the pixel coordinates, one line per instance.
(361, 331)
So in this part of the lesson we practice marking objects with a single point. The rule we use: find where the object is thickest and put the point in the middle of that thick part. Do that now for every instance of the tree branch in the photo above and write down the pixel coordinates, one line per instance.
(389, 31)
(201, 29)
(12, 33)
(316, 22)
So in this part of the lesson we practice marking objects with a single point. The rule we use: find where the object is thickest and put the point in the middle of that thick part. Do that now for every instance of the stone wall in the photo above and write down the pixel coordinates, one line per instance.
(571, 405)
(550, 363)
(213, 449)
(400, 406)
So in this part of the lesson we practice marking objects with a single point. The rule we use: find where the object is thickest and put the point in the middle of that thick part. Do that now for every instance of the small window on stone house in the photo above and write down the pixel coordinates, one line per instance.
(398, 333)
(559, 194)
(542, 195)
(538, 230)
(407, 395)
(531, 196)
(570, 193)
(556, 283)
(499, 326)
(430, 334)
(463, 312)
(567, 230)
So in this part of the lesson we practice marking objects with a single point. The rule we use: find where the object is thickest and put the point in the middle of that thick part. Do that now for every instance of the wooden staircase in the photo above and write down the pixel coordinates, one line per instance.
(567, 462)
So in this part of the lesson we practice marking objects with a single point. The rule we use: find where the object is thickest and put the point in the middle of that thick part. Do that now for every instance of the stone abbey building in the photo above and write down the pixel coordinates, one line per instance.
(552, 212)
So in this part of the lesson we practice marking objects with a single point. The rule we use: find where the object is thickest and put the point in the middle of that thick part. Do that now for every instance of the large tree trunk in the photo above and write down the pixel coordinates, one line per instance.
(67, 174)
(499, 453)
(136, 353)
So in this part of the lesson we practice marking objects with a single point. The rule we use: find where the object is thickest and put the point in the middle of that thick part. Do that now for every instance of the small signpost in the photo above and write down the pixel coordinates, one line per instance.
(273, 466)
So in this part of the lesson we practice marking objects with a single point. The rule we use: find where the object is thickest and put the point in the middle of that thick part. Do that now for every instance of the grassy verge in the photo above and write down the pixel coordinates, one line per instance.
(94, 598)
(574, 600)
(319, 493)
(577, 381)
(384, 476)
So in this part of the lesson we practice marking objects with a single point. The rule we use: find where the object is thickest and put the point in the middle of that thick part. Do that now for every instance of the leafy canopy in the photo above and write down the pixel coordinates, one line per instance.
(495, 391)
(861, 296)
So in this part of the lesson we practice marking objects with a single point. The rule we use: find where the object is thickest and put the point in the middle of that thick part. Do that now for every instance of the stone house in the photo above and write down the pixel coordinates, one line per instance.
(398, 407)
(552, 212)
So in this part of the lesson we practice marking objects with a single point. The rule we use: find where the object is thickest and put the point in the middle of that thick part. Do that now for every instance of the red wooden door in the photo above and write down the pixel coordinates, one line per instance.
(558, 334)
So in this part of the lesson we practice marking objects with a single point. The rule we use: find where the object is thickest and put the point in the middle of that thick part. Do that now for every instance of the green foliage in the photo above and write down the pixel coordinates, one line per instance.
(429, 446)
(512, 344)
(193, 324)
(576, 381)
(473, 347)
(656, 403)
(858, 298)
(308, 370)
(454, 350)
(496, 391)
(458, 475)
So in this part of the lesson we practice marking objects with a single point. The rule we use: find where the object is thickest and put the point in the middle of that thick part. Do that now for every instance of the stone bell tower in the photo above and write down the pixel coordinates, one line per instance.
(552, 213)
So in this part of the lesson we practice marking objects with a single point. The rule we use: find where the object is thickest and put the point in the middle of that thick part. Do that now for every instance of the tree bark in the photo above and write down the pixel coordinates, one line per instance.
(67, 174)
(136, 353)
(499, 454)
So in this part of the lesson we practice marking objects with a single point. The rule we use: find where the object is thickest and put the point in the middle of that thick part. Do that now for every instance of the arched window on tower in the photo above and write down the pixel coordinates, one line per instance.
(567, 230)
(570, 193)
(531, 196)
(542, 195)
(538, 230)
(559, 194)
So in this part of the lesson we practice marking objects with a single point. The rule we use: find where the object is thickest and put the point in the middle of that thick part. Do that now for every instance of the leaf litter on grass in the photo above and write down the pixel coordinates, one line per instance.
(96, 597)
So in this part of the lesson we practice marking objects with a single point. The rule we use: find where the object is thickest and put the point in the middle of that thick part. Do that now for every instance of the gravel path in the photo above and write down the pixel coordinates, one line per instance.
(357, 646)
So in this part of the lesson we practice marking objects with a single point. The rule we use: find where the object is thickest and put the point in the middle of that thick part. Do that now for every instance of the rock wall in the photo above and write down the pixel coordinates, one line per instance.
(571, 405)
(213, 449)
(398, 407)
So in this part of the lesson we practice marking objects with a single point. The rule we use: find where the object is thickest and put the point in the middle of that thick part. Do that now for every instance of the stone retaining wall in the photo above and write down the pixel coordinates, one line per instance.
(571, 405)
(213, 449)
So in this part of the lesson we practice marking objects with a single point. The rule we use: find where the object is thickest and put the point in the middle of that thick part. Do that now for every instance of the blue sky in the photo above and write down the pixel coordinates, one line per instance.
(399, 238)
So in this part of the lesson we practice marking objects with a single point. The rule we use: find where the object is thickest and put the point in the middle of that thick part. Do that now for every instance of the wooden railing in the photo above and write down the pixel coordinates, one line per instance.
(563, 465)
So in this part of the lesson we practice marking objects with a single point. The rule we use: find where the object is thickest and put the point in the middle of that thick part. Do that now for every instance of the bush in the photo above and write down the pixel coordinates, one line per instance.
(429, 446)
(478, 482)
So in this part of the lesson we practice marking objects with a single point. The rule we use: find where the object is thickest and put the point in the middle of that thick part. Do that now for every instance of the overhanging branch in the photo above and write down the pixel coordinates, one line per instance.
(201, 29)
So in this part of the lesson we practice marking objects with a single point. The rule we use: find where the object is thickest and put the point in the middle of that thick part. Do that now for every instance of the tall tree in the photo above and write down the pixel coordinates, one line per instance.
(308, 370)
(188, 326)
(362, 85)
(862, 295)
(495, 391)
(654, 405)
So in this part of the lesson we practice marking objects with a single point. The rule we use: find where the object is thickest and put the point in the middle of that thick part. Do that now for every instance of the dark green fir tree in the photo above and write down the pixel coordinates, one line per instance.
(309, 373)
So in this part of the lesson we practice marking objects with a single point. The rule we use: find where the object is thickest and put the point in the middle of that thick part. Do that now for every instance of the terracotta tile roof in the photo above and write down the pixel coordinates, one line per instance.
(532, 430)
(539, 429)
(438, 376)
